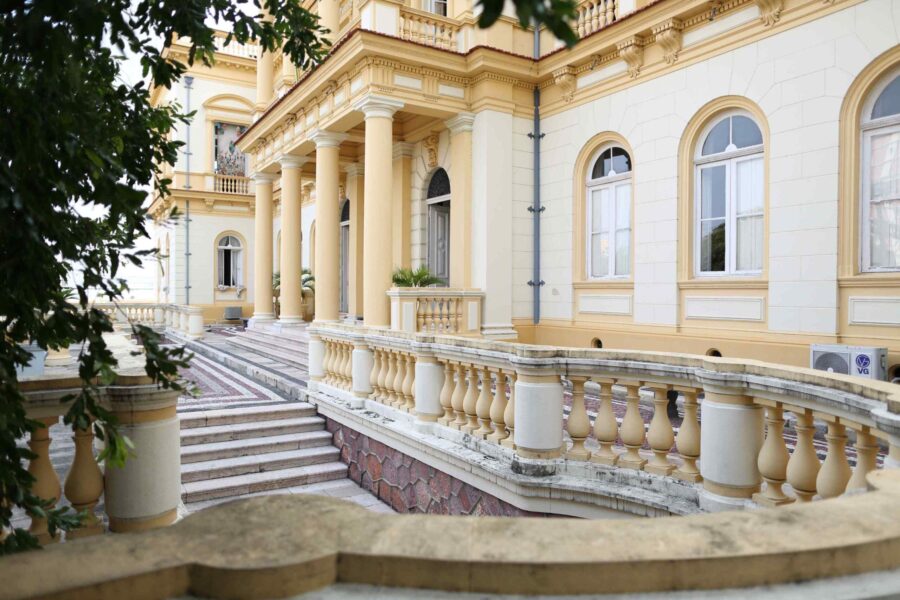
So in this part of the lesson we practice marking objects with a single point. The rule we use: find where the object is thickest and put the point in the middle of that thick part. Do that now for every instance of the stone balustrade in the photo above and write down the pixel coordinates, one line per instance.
(423, 27)
(142, 494)
(533, 401)
(436, 310)
(229, 184)
(183, 319)
(594, 15)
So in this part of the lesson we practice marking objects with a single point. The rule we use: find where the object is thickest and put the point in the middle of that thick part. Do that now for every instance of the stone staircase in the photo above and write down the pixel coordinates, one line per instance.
(232, 452)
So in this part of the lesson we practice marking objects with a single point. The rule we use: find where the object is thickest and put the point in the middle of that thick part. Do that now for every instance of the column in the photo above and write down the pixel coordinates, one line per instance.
(402, 188)
(377, 266)
(263, 309)
(489, 218)
(731, 437)
(291, 293)
(329, 18)
(538, 416)
(328, 225)
(265, 82)
(355, 183)
(460, 128)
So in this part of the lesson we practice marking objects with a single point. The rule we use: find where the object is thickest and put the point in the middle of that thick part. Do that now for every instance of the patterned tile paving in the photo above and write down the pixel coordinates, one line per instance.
(220, 387)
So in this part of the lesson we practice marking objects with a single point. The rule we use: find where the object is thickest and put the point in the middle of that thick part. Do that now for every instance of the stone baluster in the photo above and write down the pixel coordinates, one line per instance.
(447, 394)
(866, 459)
(688, 439)
(498, 408)
(773, 460)
(408, 383)
(326, 359)
(803, 466)
(458, 399)
(835, 472)
(373, 378)
(632, 430)
(445, 315)
(330, 362)
(483, 405)
(578, 426)
(606, 428)
(611, 8)
(457, 320)
(579, 26)
(596, 15)
(660, 435)
(509, 415)
(46, 481)
(348, 366)
(390, 374)
(84, 484)
(471, 401)
(397, 386)
(421, 310)
(339, 359)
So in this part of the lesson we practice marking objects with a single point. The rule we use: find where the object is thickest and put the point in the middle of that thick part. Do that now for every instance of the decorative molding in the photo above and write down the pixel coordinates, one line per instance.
(327, 139)
(668, 36)
(461, 123)
(725, 308)
(605, 304)
(378, 106)
(565, 78)
(209, 202)
(402, 150)
(430, 144)
(770, 11)
(631, 50)
(874, 310)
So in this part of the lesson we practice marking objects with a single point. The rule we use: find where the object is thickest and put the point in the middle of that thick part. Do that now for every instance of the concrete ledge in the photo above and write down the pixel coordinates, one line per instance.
(277, 546)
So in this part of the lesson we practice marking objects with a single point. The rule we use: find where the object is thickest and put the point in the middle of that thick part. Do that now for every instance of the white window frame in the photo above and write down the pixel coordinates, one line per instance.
(730, 159)
(610, 182)
(869, 128)
(237, 271)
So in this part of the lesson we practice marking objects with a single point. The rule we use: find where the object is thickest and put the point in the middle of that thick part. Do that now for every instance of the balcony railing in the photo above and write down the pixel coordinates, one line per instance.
(428, 28)
(235, 48)
(436, 310)
(231, 184)
(594, 15)
(212, 182)
(513, 395)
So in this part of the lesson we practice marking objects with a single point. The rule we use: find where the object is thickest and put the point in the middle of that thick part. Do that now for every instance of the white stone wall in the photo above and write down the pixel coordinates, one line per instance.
(798, 77)
(522, 224)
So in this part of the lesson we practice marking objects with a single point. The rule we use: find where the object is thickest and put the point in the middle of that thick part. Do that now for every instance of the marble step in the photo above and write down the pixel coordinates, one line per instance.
(275, 340)
(289, 357)
(257, 463)
(243, 431)
(248, 414)
(259, 482)
(254, 446)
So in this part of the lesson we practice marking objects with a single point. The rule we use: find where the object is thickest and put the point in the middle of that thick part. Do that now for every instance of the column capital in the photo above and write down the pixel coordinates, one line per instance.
(289, 161)
(403, 149)
(461, 123)
(260, 178)
(355, 169)
(327, 139)
(378, 106)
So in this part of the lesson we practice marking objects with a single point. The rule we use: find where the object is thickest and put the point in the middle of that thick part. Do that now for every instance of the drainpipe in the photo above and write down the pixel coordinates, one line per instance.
(536, 209)
(188, 82)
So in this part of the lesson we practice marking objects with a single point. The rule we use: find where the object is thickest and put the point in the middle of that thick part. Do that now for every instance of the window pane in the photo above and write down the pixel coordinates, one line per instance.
(712, 246)
(623, 206)
(227, 268)
(744, 132)
(621, 162)
(888, 102)
(597, 209)
(439, 184)
(623, 249)
(884, 166)
(221, 269)
(605, 209)
(884, 242)
(717, 140)
(228, 160)
(749, 186)
(599, 255)
(749, 243)
(712, 192)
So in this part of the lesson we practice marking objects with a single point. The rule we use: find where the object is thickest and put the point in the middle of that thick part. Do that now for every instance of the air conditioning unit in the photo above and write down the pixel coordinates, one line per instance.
(862, 361)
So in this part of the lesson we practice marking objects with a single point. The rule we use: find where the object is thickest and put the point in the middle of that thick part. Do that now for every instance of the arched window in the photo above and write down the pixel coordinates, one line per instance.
(437, 198)
(608, 214)
(880, 171)
(230, 262)
(439, 185)
(729, 196)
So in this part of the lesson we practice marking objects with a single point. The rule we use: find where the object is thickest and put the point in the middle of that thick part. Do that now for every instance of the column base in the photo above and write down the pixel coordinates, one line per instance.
(763, 500)
(288, 323)
(714, 497)
(258, 320)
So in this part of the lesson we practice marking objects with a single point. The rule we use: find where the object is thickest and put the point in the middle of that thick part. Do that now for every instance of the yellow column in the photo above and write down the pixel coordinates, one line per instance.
(329, 17)
(262, 249)
(460, 128)
(264, 77)
(377, 243)
(290, 297)
(402, 188)
(355, 183)
(328, 226)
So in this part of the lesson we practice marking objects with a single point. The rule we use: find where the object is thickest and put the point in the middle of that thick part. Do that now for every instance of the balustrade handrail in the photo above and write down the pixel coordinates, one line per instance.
(428, 28)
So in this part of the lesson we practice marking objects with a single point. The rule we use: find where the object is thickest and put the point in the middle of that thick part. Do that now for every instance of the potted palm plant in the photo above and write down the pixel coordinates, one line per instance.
(307, 290)
(405, 277)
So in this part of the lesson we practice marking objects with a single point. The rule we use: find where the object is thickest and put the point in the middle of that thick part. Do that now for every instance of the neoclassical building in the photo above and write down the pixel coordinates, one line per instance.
(713, 178)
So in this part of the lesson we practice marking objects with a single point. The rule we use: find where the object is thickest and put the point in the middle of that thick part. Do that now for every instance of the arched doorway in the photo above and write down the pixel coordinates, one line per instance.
(438, 200)
(345, 255)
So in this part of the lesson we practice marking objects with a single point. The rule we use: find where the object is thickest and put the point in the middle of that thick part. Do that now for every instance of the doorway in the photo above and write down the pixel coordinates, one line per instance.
(345, 256)
(438, 234)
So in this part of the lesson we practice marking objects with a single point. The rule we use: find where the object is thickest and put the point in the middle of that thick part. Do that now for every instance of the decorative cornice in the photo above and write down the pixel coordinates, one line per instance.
(770, 11)
(403, 150)
(461, 123)
(374, 106)
(631, 50)
(565, 78)
(289, 161)
(263, 178)
(355, 169)
(668, 36)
